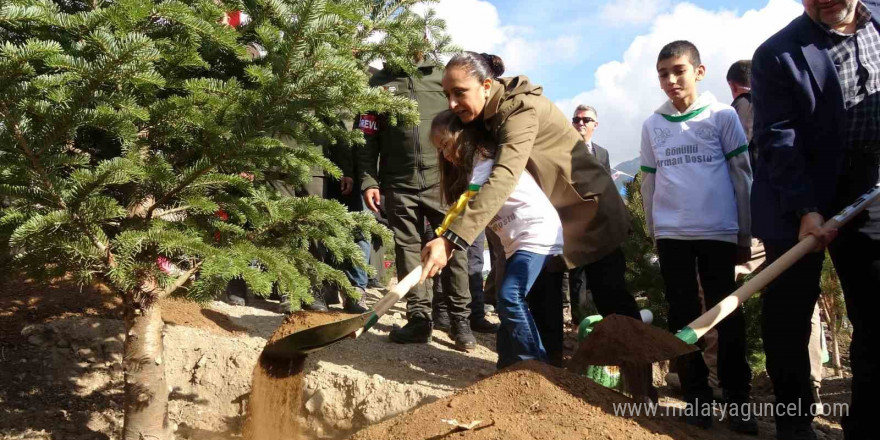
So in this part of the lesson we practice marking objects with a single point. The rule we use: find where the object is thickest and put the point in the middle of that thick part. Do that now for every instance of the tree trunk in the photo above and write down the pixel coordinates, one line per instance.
(146, 389)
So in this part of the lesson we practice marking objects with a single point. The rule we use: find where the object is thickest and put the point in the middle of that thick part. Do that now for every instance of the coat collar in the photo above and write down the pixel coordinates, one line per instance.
(815, 45)
(496, 94)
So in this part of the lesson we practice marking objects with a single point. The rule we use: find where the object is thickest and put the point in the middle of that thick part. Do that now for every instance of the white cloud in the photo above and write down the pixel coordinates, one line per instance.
(476, 26)
(627, 90)
(630, 12)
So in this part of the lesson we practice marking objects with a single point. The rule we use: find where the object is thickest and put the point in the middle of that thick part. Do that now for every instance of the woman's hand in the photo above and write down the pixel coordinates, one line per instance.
(435, 255)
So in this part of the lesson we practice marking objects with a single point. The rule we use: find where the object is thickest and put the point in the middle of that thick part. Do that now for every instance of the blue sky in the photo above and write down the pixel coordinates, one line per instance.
(602, 53)
(600, 43)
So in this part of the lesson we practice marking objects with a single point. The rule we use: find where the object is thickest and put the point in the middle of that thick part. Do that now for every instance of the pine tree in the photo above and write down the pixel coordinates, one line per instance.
(642, 268)
(134, 137)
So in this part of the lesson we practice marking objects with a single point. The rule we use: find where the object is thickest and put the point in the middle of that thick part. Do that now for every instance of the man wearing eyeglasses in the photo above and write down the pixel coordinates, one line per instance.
(585, 122)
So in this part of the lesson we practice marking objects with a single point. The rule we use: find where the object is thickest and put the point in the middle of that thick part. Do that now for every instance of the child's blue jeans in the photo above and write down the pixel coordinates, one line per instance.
(518, 337)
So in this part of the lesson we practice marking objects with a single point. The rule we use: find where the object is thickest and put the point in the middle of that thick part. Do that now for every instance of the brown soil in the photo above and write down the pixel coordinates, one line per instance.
(618, 340)
(303, 320)
(276, 390)
(530, 400)
(178, 311)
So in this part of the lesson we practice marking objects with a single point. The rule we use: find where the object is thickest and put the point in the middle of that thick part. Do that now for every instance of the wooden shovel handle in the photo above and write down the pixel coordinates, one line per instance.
(399, 291)
(710, 319)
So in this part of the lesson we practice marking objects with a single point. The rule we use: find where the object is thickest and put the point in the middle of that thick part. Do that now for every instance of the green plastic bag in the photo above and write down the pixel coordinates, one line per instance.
(607, 376)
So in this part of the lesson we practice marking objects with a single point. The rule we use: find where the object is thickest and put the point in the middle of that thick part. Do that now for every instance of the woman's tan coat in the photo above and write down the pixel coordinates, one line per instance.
(533, 134)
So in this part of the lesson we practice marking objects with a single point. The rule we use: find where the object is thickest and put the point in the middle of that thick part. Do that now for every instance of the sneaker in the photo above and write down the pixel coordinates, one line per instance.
(483, 325)
(416, 331)
(742, 421)
(235, 300)
(441, 320)
(351, 305)
(373, 283)
(461, 334)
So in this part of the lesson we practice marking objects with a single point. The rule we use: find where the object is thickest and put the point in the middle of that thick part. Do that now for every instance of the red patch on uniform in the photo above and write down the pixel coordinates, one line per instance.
(236, 18)
(369, 124)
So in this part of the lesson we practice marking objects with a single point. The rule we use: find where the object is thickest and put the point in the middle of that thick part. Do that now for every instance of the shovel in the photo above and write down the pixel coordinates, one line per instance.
(303, 342)
(604, 347)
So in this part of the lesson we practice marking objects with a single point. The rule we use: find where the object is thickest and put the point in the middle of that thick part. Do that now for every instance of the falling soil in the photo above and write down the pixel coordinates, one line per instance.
(276, 387)
(618, 340)
(530, 400)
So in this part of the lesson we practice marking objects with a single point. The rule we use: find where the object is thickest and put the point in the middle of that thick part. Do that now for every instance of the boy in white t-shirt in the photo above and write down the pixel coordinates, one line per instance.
(695, 191)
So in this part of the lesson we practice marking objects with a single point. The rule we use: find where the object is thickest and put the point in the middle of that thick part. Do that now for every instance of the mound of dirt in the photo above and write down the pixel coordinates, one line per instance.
(530, 400)
(177, 311)
(619, 340)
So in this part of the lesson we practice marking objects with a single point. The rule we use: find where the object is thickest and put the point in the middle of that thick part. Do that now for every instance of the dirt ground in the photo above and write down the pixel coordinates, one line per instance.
(60, 378)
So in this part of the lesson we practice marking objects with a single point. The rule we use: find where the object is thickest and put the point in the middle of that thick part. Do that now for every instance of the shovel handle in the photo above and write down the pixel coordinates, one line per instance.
(700, 326)
(399, 291)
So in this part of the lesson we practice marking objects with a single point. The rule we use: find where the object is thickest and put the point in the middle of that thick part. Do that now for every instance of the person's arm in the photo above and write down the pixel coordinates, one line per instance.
(736, 148)
(515, 139)
(776, 114)
(368, 158)
(648, 167)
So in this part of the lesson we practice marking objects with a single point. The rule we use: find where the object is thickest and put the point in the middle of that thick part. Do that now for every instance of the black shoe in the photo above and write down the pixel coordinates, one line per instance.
(483, 325)
(461, 334)
(441, 320)
(284, 305)
(741, 420)
(416, 331)
(373, 283)
(318, 305)
(699, 412)
(358, 306)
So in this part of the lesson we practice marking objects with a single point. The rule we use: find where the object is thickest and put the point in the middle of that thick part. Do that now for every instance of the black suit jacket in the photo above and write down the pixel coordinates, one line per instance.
(798, 128)
(602, 157)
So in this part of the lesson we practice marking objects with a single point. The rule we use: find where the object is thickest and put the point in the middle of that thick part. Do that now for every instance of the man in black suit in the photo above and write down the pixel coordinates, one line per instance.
(603, 283)
(816, 96)
(585, 122)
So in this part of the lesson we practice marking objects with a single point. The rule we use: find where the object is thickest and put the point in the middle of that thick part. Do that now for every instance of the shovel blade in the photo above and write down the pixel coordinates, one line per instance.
(301, 343)
(619, 340)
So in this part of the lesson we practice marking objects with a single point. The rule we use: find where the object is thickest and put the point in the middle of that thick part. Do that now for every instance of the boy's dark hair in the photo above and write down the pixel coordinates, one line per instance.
(679, 48)
(740, 73)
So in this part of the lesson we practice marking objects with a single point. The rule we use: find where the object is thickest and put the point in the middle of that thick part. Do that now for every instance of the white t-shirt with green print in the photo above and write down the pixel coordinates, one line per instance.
(689, 152)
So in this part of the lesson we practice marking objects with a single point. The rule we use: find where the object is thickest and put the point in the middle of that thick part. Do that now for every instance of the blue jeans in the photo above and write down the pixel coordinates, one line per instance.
(356, 275)
(518, 337)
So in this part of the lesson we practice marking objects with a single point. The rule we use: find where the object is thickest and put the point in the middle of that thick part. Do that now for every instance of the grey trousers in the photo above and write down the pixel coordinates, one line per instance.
(407, 211)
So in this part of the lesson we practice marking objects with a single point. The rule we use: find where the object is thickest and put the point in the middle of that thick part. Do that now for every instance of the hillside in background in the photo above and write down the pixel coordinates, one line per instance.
(630, 167)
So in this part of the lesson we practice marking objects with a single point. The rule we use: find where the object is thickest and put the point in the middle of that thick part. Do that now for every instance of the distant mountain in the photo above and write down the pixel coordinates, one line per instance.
(623, 172)
(630, 167)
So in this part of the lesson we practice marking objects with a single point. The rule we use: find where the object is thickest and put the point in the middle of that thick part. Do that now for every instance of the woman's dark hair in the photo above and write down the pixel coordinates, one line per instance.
(470, 140)
(478, 65)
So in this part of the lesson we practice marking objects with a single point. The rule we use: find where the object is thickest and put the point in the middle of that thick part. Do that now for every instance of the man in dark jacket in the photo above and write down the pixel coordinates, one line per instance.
(408, 176)
(739, 79)
(816, 91)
